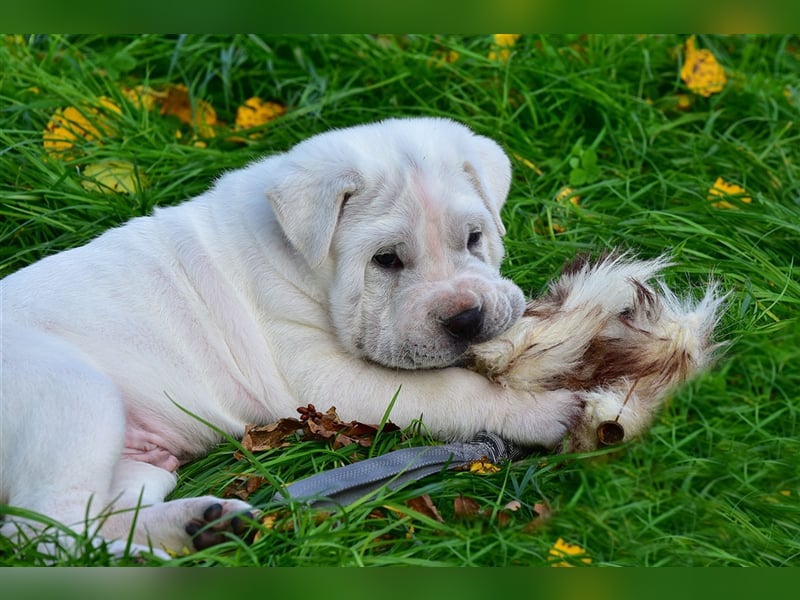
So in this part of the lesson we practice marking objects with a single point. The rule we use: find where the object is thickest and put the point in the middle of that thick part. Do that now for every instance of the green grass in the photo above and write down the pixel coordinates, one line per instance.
(714, 483)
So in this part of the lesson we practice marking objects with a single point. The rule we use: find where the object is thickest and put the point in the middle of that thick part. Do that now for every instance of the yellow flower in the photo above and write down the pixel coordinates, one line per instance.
(503, 42)
(701, 72)
(255, 112)
(722, 188)
(72, 125)
(562, 549)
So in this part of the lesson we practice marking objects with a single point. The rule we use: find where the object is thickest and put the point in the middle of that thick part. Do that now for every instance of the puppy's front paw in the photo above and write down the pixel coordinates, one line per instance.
(544, 418)
(217, 525)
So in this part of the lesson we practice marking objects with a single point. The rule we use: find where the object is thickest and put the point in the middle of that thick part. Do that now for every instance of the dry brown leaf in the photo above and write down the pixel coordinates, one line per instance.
(258, 438)
(244, 486)
(328, 426)
(503, 518)
(543, 514)
(465, 508)
(424, 505)
(313, 425)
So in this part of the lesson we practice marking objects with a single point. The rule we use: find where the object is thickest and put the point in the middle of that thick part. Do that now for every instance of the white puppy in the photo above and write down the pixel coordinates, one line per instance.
(362, 261)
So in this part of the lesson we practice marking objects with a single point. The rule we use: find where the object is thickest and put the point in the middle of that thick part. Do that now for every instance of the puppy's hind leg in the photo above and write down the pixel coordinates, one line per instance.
(62, 427)
(178, 525)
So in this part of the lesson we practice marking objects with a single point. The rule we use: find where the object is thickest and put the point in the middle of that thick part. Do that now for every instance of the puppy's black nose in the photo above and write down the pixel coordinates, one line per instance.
(465, 325)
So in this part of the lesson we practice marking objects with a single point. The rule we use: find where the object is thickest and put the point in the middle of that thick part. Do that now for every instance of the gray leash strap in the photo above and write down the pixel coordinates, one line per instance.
(345, 485)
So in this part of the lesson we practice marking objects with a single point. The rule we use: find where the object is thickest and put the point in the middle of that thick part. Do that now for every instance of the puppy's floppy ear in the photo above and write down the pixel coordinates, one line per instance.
(307, 203)
(489, 170)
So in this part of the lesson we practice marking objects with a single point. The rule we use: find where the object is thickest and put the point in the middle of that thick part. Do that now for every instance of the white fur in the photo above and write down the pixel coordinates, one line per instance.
(248, 301)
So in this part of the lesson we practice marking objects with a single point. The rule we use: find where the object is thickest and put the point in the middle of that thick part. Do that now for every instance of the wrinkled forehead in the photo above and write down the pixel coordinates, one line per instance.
(417, 188)
(421, 208)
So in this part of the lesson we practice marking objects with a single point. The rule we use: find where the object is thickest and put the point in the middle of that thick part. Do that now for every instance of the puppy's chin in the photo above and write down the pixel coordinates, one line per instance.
(414, 357)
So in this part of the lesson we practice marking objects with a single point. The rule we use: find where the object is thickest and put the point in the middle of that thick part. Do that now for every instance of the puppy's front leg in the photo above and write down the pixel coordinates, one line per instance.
(452, 403)
(468, 403)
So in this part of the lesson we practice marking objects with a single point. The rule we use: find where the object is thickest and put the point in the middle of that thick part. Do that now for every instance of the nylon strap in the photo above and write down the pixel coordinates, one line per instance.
(345, 485)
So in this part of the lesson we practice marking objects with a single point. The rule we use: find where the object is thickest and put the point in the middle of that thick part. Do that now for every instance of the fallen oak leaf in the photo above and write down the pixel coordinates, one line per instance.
(329, 426)
(258, 438)
(313, 425)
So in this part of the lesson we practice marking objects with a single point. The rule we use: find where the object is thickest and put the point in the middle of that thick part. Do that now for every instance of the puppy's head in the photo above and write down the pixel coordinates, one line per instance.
(402, 219)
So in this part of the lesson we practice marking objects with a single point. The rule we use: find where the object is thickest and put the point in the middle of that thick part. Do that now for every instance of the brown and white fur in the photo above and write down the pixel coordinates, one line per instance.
(615, 333)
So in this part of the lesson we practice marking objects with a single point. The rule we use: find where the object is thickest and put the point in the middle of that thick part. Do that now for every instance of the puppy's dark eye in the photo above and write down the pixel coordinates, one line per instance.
(387, 260)
(474, 239)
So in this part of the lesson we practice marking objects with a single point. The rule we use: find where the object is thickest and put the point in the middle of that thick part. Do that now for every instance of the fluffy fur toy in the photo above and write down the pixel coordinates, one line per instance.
(616, 334)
